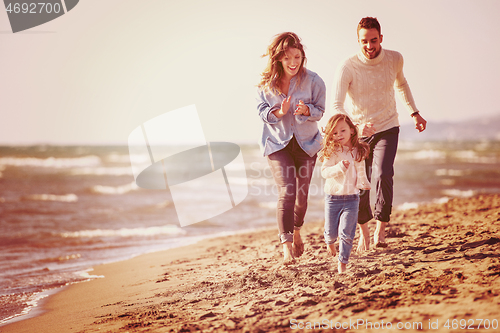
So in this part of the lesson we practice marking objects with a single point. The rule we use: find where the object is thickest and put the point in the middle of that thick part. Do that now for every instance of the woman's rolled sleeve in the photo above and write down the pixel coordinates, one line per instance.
(266, 111)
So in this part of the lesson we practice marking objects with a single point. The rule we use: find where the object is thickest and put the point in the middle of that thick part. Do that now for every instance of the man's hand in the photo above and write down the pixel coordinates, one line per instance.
(420, 123)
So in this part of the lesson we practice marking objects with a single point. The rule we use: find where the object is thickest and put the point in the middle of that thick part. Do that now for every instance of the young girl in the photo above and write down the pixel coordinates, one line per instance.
(343, 168)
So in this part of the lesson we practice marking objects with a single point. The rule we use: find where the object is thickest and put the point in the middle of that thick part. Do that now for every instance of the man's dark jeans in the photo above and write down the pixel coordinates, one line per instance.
(380, 166)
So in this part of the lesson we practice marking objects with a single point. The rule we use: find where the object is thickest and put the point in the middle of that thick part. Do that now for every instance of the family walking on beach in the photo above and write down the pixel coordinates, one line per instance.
(291, 100)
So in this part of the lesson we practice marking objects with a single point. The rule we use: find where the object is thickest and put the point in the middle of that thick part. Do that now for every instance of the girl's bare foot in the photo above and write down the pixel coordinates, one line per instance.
(288, 257)
(331, 250)
(298, 245)
(342, 268)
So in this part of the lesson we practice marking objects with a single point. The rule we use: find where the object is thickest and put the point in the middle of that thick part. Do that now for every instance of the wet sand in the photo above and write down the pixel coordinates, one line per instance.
(440, 273)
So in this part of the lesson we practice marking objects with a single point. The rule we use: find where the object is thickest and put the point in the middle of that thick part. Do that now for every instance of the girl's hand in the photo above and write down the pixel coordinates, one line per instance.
(285, 106)
(366, 129)
(302, 109)
(346, 163)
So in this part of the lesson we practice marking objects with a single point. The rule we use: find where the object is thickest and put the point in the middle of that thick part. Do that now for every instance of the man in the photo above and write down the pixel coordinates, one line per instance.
(370, 78)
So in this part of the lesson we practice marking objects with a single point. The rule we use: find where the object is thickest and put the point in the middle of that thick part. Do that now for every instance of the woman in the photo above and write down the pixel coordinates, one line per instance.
(291, 99)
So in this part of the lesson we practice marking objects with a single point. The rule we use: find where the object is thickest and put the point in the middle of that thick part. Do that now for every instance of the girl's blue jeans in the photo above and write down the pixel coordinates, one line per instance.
(341, 217)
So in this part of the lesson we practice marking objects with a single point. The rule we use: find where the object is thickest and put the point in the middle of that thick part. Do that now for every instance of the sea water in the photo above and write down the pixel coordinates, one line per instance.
(66, 209)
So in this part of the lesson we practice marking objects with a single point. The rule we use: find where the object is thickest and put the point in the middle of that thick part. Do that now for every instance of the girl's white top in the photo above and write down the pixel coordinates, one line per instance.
(341, 180)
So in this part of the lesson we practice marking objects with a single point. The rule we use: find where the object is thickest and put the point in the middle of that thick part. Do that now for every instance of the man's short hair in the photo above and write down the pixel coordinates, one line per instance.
(369, 23)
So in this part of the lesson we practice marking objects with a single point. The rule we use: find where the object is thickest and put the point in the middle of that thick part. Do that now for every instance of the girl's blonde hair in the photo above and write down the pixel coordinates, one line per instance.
(274, 72)
(331, 146)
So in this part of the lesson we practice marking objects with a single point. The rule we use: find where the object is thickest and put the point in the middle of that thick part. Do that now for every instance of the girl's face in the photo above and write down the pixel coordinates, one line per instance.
(291, 61)
(342, 133)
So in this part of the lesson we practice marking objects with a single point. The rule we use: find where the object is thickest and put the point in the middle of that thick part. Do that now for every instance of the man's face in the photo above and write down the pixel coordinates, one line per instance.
(369, 40)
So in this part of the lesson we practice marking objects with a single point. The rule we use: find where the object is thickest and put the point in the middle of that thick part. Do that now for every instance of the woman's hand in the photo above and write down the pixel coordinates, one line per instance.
(285, 106)
(302, 109)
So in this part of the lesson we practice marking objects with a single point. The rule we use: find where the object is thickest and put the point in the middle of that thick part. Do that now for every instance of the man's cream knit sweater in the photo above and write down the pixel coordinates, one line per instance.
(370, 84)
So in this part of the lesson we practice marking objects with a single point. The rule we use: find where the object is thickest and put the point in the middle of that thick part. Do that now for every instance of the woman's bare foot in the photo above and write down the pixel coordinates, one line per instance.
(288, 257)
(342, 268)
(298, 245)
(364, 238)
(331, 250)
(379, 235)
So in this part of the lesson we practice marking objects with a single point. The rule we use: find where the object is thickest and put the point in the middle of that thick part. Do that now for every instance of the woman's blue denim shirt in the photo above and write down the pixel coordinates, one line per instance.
(278, 132)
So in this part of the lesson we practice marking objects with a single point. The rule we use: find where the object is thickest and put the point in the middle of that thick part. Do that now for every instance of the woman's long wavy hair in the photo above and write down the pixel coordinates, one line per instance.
(330, 146)
(274, 72)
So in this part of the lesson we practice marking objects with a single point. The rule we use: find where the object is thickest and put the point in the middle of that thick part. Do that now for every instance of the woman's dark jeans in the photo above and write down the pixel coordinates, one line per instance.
(292, 170)
(380, 166)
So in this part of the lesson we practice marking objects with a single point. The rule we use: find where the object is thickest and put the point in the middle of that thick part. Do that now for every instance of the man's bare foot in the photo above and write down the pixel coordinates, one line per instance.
(288, 257)
(331, 250)
(379, 235)
(361, 244)
(364, 238)
(298, 245)
(342, 268)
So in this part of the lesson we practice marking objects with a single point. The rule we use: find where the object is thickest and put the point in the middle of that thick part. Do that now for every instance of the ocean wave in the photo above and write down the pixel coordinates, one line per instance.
(51, 197)
(427, 154)
(102, 171)
(101, 189)
(471, 156)
(51, 162)
(27, 301)
(86, 274)
(442, 200)
(62, 258)
(128, 158)
(126, 232)
(459, 193)
(407, 206)
(452, 172)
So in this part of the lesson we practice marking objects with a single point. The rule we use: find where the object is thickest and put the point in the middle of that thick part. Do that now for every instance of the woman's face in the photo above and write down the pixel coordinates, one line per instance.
(291, 61)
(342, 133)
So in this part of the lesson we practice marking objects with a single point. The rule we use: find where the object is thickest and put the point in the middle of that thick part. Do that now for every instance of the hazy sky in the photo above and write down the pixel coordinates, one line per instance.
(99, 71)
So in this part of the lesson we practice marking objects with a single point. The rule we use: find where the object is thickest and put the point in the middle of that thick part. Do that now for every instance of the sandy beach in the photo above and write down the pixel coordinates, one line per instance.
(440, 273)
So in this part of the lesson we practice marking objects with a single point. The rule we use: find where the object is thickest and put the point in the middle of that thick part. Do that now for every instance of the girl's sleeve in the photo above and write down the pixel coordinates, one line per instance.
(266, 110)
(362, 182)
(333, 169)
